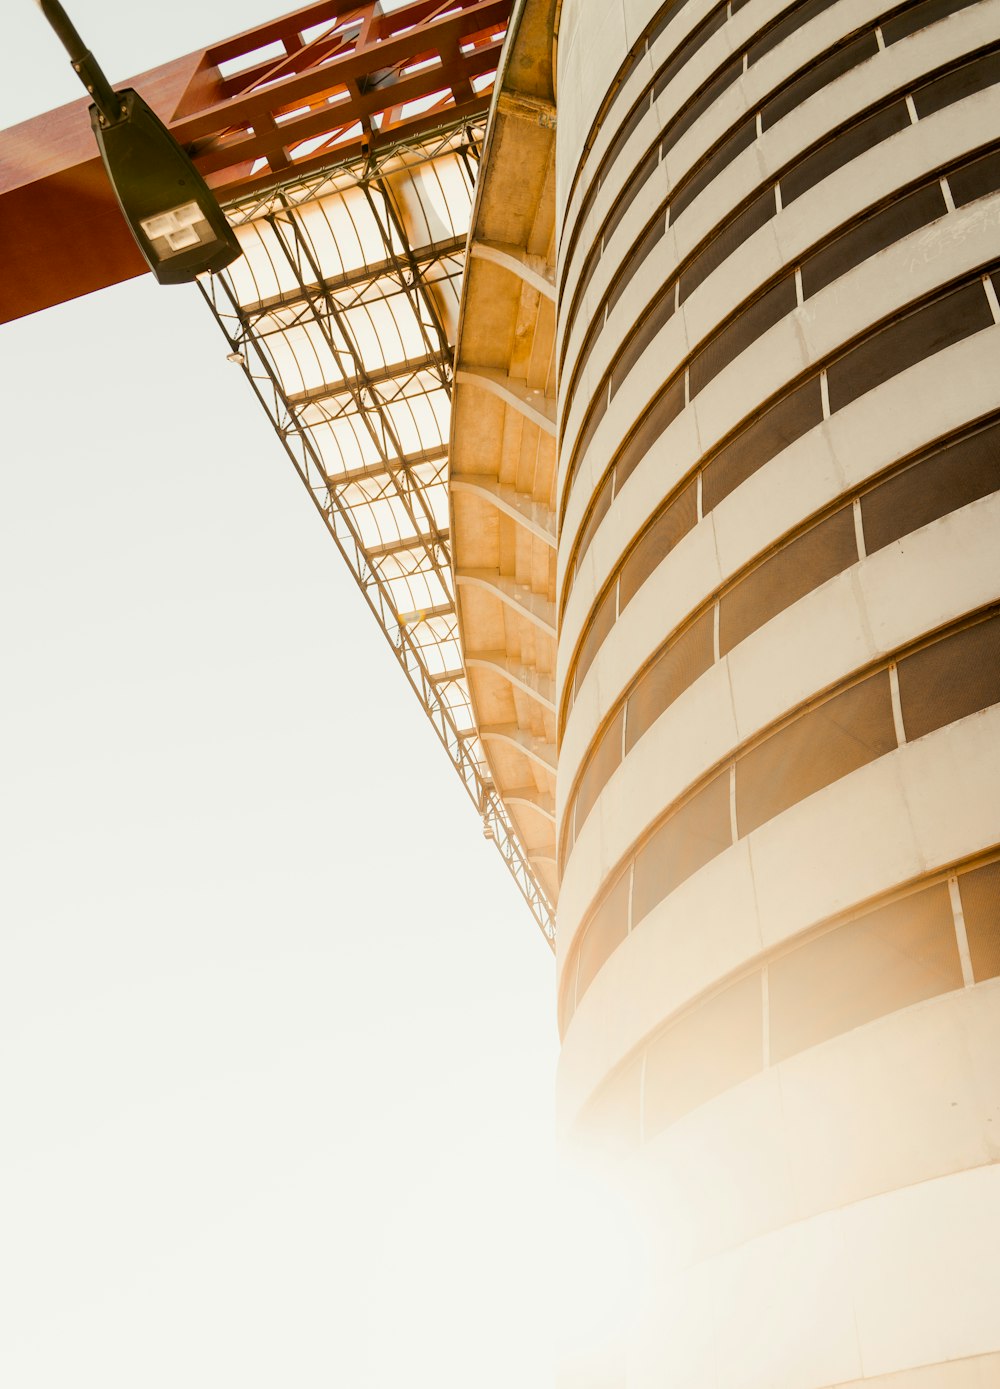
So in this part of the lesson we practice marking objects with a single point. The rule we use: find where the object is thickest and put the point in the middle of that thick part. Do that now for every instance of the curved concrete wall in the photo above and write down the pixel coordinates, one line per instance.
(778, 678)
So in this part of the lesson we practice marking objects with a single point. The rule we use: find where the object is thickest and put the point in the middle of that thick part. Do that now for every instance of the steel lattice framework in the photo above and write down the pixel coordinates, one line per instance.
(342, 313)
(330, 83)
(343, 141)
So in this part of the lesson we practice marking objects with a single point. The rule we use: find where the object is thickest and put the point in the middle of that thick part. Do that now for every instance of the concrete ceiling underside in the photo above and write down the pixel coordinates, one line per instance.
(502, 478)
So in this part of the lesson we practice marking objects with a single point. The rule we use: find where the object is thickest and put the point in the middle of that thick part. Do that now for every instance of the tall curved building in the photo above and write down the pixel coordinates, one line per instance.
(778, 675)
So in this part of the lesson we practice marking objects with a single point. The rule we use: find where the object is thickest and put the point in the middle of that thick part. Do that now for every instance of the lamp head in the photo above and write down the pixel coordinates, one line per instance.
(173, 215)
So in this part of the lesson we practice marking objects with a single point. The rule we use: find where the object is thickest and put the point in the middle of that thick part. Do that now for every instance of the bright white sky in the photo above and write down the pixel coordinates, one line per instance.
(276, 1030)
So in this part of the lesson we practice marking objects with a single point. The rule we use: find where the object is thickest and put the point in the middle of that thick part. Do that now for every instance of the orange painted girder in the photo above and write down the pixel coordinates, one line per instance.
(346, 81)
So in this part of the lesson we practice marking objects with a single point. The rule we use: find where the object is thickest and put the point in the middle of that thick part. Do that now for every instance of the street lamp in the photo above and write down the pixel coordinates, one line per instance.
(172, 213)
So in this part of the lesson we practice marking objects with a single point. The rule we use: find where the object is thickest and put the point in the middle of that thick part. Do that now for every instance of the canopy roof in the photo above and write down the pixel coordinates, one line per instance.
(344, 311)
(345, 145)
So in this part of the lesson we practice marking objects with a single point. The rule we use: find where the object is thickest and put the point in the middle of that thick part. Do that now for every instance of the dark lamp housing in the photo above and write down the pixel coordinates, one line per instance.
(171, 211)
(178, 225)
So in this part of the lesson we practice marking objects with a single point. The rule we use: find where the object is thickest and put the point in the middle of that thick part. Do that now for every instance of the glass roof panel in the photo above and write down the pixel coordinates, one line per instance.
(433, 200)
(342, 231)
(346, 301)
(374, 335)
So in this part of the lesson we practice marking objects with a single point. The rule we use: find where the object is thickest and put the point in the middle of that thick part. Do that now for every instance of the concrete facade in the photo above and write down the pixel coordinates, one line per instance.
(777, 681)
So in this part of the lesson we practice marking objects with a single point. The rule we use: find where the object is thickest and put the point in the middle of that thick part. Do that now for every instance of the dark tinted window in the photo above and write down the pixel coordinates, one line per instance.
(960, 82)
(664, 409)
(636, 259)
(654, 30)
(919, 16)
(684, 843)
(601, 764)
(906, 341)
(597, 411)
(949, 478)
(653, 546)
(699, 104)
(628, 196)
(627, 129)
(600, 509)
(773, 430)
(727, 240)
(666, 14)
(687, 657)
(876, 232)
(748, 325)
(607, 929)
(956, 676)
(980, 893)
(709, 1050)
(886, 960)
(815, 749)
(600, 625)
(800, 14)
(659, 312)
(817, 76)
(861, 136)
(590, 341)
(707, 170)
(589, 269)
(975, 180)
(796, 569)
(691, 45)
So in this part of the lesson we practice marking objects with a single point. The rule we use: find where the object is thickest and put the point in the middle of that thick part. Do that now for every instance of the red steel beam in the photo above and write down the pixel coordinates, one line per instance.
(347, 81)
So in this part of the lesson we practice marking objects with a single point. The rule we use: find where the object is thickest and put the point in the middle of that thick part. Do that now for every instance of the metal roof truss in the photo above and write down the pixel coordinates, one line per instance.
(343, 312)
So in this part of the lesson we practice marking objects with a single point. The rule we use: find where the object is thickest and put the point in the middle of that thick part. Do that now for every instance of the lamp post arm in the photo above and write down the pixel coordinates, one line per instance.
(84, 64)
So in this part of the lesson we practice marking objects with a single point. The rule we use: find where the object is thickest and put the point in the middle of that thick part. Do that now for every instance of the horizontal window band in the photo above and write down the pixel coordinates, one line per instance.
(823, 158)
(773, 33)
(711, 89)
(638, 109)
(854, 969)
(855, 730)
(976, 177)
(847, 52)
(946, 316)
(779, 29)
(952, 473)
